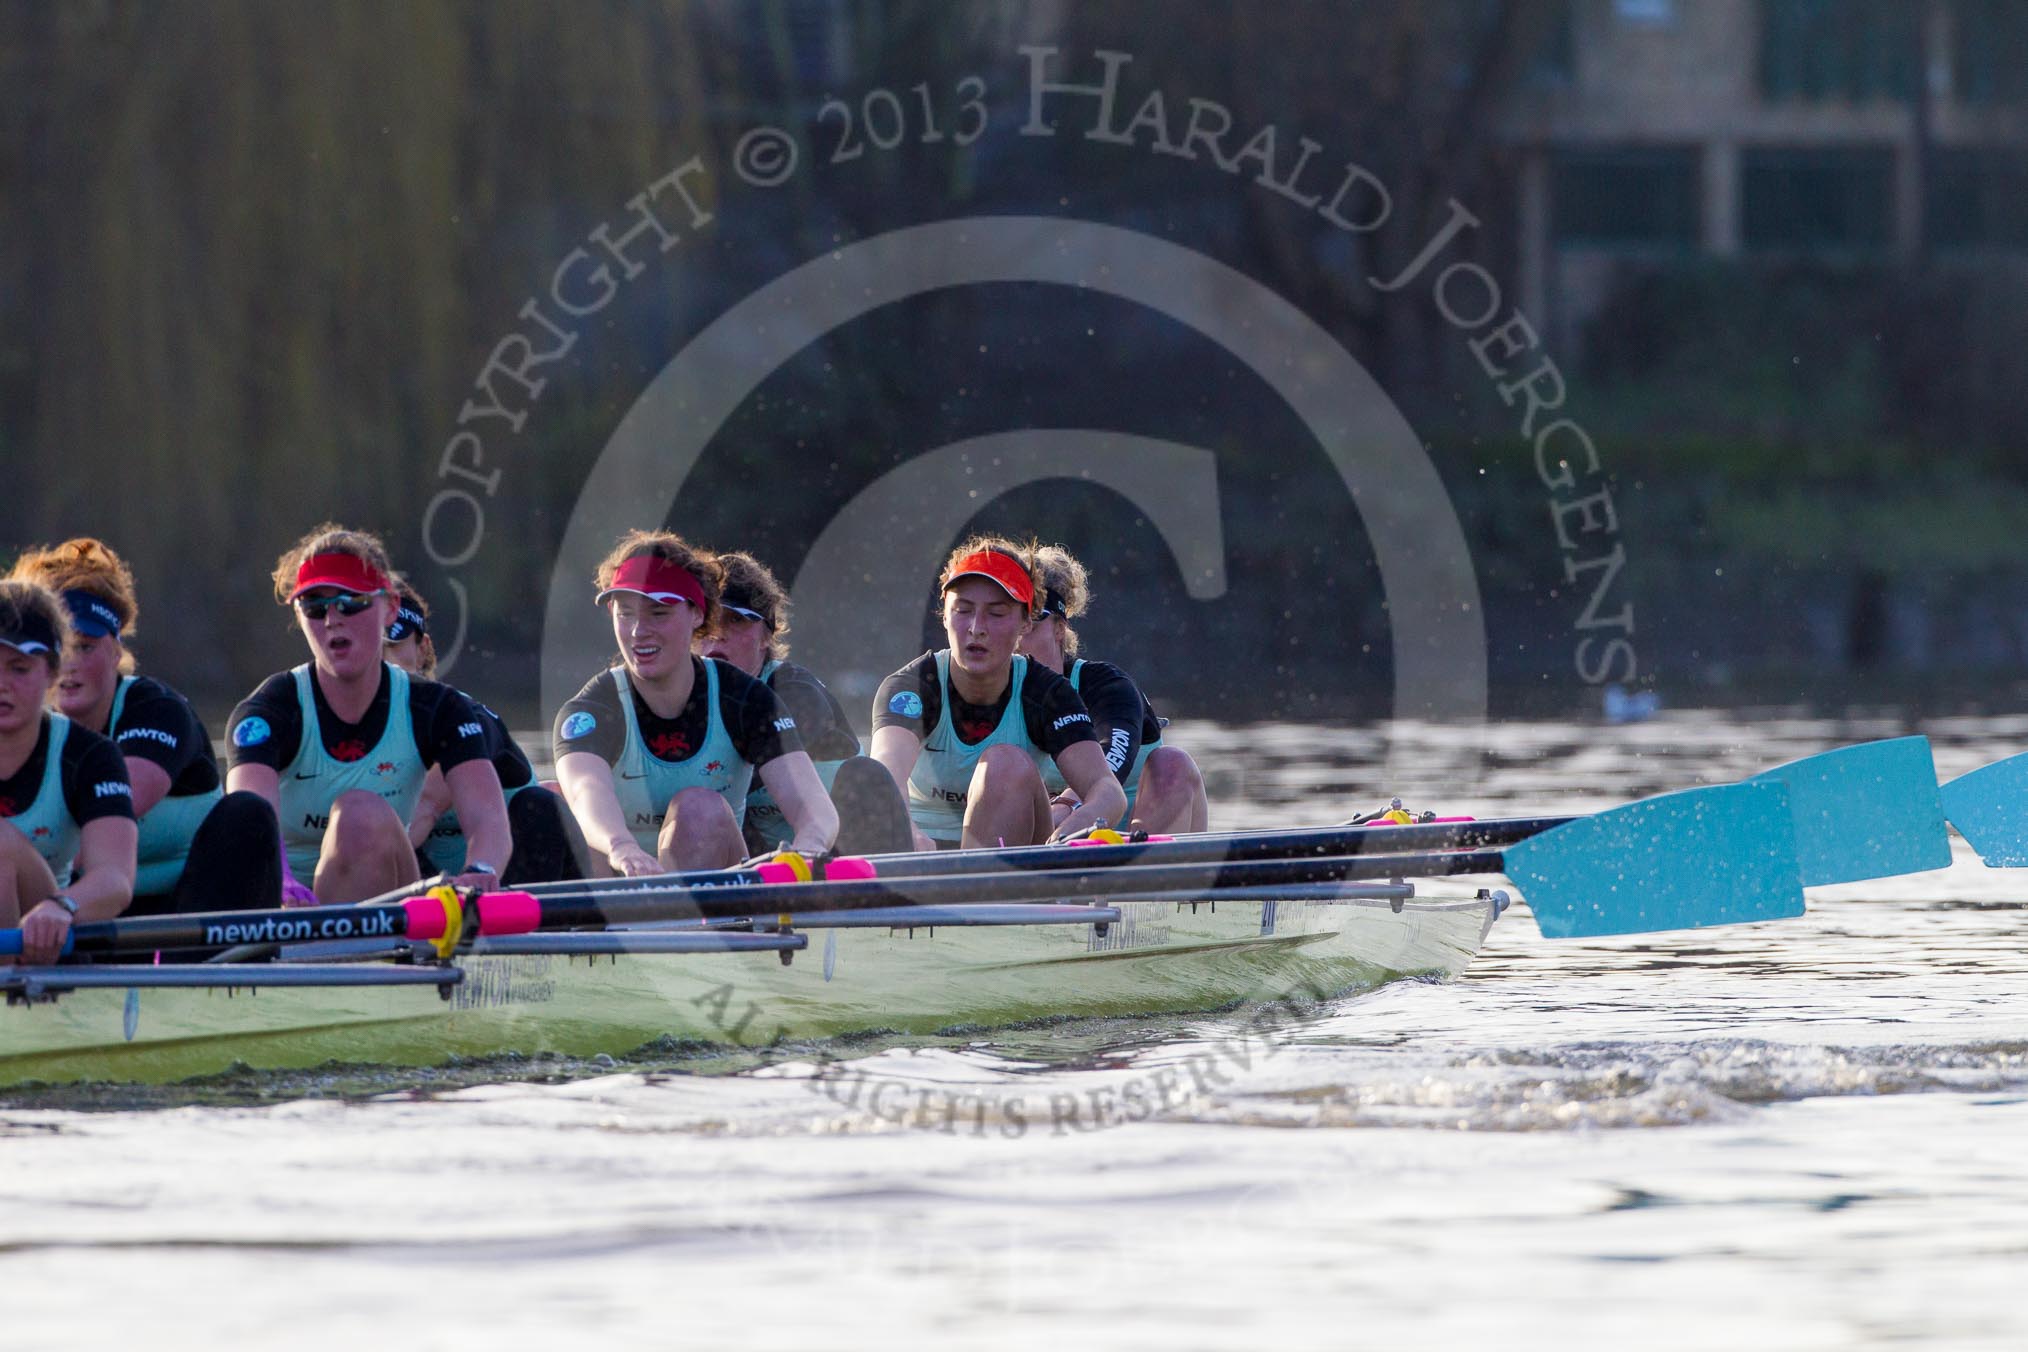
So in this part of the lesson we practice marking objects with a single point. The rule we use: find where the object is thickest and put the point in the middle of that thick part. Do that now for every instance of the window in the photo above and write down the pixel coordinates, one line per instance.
(1806, 199)
(1977, 198)
(1852, 50)
(1636, 197)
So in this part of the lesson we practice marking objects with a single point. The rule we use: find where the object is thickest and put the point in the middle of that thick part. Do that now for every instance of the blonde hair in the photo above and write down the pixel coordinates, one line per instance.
(1065, 579)
(91, 566)
(671, 548)
(1021, 554)
(21, 597)
(329, 538)
(747, 574)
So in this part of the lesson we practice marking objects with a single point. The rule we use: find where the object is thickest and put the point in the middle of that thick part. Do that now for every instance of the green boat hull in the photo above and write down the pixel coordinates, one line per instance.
(1159, 958)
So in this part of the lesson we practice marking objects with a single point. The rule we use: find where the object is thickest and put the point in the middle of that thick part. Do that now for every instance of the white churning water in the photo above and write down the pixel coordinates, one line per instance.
(1800, 1135)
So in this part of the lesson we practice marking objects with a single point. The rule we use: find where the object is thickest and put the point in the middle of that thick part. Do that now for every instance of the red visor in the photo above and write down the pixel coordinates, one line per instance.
(347, 572)
(988, 563)
(657, 579)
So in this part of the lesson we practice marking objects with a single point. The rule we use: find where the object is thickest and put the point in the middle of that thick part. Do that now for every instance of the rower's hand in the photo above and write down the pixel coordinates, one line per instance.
(921, 838)
(295, 894)
(43, 931)
(631, 861)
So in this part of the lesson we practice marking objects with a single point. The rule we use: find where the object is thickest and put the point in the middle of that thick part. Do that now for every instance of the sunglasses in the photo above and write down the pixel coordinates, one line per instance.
(347, 604)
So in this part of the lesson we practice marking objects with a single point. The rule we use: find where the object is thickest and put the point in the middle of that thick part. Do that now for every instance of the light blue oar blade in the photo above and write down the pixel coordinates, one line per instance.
(1716, 856)
(1866, 811)
(1989, 807)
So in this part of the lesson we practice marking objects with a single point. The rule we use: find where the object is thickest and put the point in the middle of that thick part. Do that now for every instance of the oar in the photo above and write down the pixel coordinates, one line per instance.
(1713, 856)
(1863, 811)
(1645, 866)
(1860, 812)
(434, 915)
(1701, 857)
(1866, 811)
(1989, 807)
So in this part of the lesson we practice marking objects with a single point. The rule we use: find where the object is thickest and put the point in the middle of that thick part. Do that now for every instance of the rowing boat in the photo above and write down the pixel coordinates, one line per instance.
(582, 994)
(954, 941)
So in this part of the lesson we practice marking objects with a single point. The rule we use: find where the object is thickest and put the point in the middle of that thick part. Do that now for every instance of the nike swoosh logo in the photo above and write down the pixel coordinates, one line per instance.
(625, 775)
(312, 775)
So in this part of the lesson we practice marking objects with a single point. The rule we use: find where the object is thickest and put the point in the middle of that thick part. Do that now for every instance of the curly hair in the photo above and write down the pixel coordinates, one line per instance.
(1064, 591)
(671, 548)
(21, 597)
(426, 647)
(750, 584)
(91, 566)
(329, 538)
(1023, 556)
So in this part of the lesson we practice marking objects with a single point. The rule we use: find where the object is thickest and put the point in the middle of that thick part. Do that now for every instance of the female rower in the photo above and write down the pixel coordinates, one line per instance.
(198, 851)
(1165, 791)
(657, 753)
(965, 731)
(340, 746)
(66, 810)
(546, 844)
(751, 634)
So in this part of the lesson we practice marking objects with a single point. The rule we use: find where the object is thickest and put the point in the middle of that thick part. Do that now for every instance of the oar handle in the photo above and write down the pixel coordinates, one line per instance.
(10, 943)
(437, 917)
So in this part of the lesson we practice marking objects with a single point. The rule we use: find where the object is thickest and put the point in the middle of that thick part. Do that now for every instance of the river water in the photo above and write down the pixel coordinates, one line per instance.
(1807, 1134)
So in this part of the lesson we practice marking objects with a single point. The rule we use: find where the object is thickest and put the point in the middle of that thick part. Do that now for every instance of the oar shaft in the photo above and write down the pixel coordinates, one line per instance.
(683, 897)
(591, 904)
(412, 918)
(1331, 842)
(1226, 847)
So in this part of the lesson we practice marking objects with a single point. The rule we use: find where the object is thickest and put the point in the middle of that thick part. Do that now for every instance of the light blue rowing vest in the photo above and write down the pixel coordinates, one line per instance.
(644, 782)
(941, 781)
(169, 827)
(311, 782)
(1052, 778)
(764, 820)
(47, 822)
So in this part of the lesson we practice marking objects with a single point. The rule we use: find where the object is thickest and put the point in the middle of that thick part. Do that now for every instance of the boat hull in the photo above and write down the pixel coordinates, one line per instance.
(1158, 958)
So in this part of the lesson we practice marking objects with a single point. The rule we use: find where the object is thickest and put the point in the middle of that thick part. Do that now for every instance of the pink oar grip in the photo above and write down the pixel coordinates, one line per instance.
(509, 913)
(425, 918)
(775, 872)
(1087, 840)
(848, 868)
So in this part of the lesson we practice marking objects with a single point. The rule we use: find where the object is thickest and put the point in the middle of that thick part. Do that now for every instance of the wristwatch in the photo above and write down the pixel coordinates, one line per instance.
(69, 906)
(486, 869)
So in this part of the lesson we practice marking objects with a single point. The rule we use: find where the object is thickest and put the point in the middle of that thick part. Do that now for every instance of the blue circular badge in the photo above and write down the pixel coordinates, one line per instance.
(251, 732)
(908, 704)
(579, 724)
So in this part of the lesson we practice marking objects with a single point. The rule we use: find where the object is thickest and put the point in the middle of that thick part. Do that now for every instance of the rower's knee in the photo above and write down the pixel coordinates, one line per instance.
(364, 825)
(25, 868)
(547, 847)
(700, 831)
(872, 814)
(1004, 769)
(14, 846)
(1168, 770)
